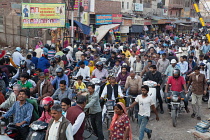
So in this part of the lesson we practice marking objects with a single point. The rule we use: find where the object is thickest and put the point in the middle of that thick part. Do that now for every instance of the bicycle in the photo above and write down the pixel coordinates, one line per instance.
(88, 132)
(131, 111)
(109, 111)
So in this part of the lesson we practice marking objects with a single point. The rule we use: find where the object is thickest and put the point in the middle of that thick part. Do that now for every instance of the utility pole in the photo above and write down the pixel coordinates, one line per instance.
(201, 19)
(79, 10)
(28, 32)
(72, 3)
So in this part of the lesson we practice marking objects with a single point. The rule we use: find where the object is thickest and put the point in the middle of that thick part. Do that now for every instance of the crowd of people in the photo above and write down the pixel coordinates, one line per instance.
(175, 62)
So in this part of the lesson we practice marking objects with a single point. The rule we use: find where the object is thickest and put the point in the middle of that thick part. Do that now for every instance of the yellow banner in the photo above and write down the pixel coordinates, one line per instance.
(43, 15)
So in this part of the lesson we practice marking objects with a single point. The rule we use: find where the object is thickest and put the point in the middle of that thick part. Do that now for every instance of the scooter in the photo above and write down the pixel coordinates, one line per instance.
(10, 132)
(38, 130)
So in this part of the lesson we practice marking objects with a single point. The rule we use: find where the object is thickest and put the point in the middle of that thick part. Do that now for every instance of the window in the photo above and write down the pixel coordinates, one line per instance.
(122, 4)
(127, 5)
(171, 13)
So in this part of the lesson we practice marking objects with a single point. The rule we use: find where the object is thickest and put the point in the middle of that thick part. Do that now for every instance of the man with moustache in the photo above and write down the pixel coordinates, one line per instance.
(59, 128)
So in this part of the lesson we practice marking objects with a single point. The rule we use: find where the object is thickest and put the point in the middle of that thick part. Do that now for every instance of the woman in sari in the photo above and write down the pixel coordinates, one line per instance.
(120, 128)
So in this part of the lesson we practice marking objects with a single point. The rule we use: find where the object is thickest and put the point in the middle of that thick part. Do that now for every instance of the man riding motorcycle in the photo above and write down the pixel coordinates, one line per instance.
(11, 69)
(60, 76)
(53, 67)
(177, 82)
(59, 62)
(22, 69)
(100, 72)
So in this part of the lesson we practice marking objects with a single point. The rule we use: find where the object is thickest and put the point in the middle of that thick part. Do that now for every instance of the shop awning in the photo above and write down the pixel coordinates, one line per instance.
(85, 29)
(137, 29)
(102, 31)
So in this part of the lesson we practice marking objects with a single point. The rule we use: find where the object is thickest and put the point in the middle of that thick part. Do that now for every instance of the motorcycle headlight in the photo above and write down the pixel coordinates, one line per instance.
(34, 127)
(175, 98)
(42, 127)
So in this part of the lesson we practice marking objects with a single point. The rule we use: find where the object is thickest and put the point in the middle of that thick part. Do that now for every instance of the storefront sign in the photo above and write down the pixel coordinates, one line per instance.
(116, 18)
(163, 21)
(147, 22)
(138, 21)
(127, 22)
(103, 19)
(43, 15)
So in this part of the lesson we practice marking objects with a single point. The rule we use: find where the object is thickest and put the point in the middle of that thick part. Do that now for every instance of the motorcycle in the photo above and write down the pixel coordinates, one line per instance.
(38, 130)
(176, 105)
(10, 89)
(11, 132)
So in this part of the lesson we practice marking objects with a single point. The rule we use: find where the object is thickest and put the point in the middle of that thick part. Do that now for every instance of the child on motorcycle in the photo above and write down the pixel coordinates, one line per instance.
(47, 103)
(79, 86)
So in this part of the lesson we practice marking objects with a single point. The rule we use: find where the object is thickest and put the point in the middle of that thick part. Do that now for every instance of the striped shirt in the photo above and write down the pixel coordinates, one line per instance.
(51, 53)
(21, 113)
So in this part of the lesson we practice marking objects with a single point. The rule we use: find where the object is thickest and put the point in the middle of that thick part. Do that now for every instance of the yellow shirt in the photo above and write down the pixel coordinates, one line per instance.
(127, 53)
(77, 86)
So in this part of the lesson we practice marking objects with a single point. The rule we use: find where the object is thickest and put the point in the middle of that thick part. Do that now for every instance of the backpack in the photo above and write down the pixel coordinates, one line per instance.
(65, 60)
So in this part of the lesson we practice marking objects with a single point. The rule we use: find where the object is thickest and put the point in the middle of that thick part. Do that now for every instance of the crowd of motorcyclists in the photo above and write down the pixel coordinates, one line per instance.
(54, 84)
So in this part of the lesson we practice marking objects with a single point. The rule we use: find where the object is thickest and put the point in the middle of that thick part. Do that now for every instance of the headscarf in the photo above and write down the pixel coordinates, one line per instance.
(91, 67)
(114, 119)
(46, 71)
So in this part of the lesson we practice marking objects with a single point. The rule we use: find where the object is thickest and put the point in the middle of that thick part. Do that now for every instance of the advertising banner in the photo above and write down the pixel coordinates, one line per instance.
(103, 19)
(43, 15)
(76, 4)
(116, 18)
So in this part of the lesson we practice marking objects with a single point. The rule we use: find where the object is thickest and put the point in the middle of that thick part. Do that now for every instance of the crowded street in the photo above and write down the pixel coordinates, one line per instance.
(104, 70)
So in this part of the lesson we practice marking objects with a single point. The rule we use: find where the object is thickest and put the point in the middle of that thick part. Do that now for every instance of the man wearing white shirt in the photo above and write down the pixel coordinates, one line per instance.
(17, 56)
(39, 52)
(112, 91)
(183, 66)
(132, 58)
(71, 50)
(84, 71)
(59, 128)
(76, 116)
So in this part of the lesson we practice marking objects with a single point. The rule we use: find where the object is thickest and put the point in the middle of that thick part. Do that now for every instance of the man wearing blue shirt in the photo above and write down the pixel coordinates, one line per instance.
(60, 76)
(82, 59)
(22, 111)
(183, 66)
(205, 48)
(162, 50)
(35, 59)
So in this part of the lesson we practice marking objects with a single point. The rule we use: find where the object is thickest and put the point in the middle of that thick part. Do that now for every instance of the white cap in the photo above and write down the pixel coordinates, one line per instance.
(173, 61)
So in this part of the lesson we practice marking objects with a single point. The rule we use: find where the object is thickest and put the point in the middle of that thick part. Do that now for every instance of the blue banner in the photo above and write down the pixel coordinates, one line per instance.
(103, 19)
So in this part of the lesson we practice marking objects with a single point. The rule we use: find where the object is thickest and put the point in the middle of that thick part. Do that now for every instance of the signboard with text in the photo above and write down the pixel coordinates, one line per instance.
(138, 7)
(43, 15)
(116, 18)
(103, 19)
(108, 19)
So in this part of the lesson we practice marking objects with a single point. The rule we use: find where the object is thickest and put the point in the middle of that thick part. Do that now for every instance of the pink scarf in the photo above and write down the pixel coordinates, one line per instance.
(114, 119)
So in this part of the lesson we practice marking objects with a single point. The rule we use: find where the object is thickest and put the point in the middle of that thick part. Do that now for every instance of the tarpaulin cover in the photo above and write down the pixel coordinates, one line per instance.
(85, 29)
(102, 30)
